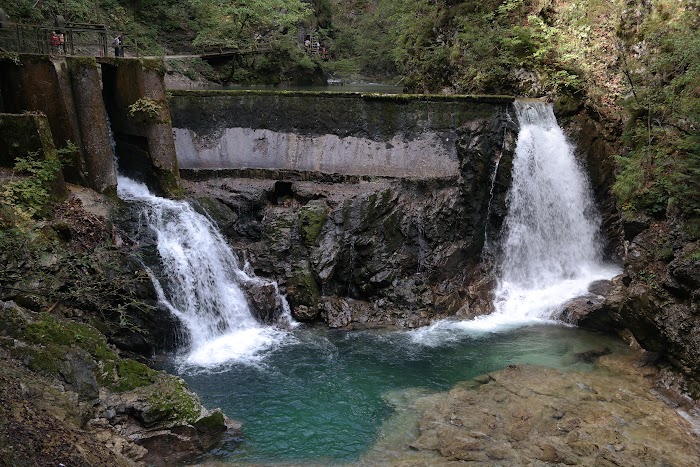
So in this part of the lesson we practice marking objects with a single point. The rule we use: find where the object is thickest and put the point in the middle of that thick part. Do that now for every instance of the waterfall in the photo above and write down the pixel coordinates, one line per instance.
(201, 282)
(551, 248)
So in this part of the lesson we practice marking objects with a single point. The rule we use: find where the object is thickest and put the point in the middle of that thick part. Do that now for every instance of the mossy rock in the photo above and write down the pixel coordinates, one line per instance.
(223, 215)
(169, 183)
(393, 236)
(13, 319)
(214, 421)
(278, 228)
(170, 400)
(302, 288)
(312, 217)
(132, 374)
(50, 330)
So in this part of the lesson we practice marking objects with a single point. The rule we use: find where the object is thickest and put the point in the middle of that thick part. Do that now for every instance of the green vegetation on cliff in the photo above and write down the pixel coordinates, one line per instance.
(634, 64)
(661, 170)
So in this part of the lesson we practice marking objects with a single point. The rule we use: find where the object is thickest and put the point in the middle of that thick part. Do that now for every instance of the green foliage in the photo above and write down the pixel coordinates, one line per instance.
(37, 264)
(146, 107)
(241, 24)
(11, 56)
(661, 167)
(647, 277)
(30, 195)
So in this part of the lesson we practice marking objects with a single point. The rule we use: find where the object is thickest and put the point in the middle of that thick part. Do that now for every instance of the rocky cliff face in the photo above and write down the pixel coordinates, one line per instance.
(74, 304)
(368, 250)
(657, 297)
(655, 301)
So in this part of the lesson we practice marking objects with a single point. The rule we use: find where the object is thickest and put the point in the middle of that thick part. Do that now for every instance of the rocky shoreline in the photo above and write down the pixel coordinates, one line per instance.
(624, 411)
(75, 333)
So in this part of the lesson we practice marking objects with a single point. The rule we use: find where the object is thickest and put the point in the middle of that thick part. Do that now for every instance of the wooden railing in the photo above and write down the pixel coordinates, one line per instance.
(80, 39)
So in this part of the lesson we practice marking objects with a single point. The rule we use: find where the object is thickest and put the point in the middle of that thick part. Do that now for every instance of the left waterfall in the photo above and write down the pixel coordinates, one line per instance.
(201, 282)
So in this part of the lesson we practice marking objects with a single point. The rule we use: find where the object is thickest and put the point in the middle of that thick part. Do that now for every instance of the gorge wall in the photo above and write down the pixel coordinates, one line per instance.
(368, 210)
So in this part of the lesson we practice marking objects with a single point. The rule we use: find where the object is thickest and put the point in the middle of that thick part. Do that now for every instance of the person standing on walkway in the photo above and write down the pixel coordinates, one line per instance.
(118, 44)
(54, 41)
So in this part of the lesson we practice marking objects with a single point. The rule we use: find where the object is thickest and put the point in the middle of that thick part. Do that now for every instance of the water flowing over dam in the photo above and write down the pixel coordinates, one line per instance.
(202, 282)
(551, 245)
(317, 396)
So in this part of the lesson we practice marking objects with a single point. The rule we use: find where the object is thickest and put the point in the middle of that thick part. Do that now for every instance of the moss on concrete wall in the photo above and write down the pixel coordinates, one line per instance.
(139, 135)
(20, 134)
(69, 91)
(98, 159)
(38, 83)
(379, 117)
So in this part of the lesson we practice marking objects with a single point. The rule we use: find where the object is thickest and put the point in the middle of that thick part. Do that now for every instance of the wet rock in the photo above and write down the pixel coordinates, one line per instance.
(591, 356)
(264, 300)
(305, 313)
(686, 266)
(656, 298)
(167, 420)
(526, 415)
(601, 287)
(383, 251)
(634, 223)
(577, 308)
(130, 409)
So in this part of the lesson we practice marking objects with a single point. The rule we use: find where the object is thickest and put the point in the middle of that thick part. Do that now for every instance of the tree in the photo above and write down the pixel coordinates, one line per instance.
(241, 23)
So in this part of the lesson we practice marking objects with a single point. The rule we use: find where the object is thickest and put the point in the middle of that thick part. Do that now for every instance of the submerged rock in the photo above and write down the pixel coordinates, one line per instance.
(526, 415)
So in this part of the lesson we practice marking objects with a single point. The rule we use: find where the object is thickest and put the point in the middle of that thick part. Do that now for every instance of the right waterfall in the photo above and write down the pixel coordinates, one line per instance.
(551, 248)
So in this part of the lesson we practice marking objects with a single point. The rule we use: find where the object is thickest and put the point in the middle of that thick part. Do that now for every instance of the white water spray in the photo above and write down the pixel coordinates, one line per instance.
(551, 248)
(201, 281)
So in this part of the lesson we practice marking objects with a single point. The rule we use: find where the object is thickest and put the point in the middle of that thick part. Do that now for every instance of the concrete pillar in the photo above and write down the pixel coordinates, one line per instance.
(95, 145)
(145, 145)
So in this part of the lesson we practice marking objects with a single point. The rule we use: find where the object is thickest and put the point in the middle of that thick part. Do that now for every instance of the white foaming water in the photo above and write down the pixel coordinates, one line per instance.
(551, 248)
(200, 283)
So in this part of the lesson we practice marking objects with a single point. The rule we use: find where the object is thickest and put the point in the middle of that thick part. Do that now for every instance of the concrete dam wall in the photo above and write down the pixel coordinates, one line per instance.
(329, 133)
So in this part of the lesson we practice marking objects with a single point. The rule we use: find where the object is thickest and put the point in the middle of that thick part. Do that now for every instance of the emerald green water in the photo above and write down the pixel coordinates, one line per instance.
(318, 398)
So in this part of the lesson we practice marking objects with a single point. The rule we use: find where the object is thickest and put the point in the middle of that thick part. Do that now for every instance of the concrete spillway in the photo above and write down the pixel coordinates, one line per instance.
(347, 134)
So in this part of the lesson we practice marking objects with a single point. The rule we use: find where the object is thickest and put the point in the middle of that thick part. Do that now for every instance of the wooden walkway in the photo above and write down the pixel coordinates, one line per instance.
(83, 39)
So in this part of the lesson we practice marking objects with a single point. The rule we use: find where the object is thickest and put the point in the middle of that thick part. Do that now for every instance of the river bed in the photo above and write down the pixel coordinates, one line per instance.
(321, 396)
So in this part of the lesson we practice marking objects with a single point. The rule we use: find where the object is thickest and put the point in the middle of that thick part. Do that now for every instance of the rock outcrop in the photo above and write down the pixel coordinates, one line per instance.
(657, 297)
(523, 415)
(619, 411)
(372, 251)
(74, 303)
(133, 412)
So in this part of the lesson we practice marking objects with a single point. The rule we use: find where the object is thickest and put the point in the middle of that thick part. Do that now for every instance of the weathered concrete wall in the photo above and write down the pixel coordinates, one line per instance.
(25, 133)
(332, 133)
(144, 142)
(75, 94)
(38, 84)
(98, 156)
(20, 134)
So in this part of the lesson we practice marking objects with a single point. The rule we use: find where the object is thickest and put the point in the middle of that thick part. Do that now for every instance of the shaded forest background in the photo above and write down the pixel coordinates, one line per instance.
(635, 64)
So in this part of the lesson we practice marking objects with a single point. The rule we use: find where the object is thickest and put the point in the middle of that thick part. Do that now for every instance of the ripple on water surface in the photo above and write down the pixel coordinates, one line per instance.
(322, 396)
